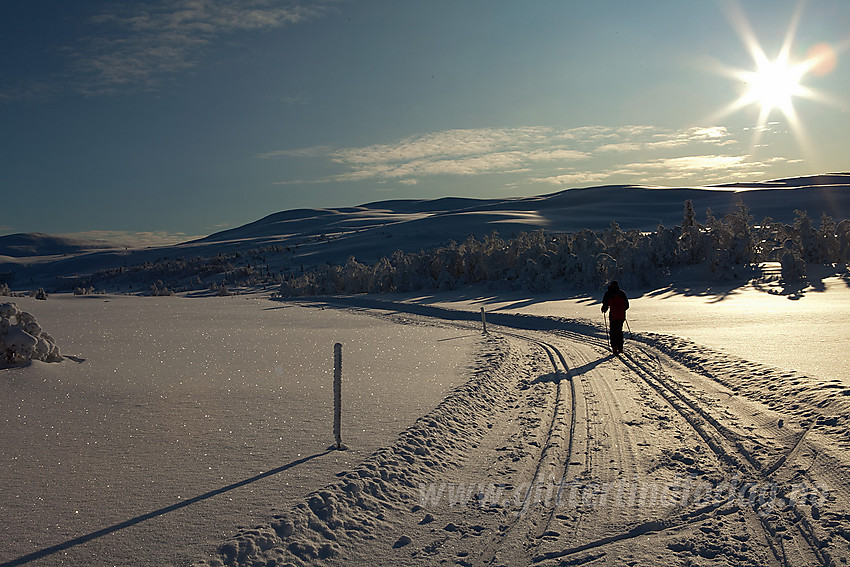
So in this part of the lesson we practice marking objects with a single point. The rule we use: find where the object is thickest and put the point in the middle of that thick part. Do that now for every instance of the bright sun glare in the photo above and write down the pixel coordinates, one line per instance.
(775, 83)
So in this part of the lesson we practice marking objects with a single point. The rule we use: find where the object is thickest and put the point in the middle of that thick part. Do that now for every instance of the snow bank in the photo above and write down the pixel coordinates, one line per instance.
(350, 513)
(22, 338)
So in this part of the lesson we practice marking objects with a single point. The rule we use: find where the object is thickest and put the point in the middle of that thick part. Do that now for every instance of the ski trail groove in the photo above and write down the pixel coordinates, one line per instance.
(729, 450)
(553, 457)
(724, 448)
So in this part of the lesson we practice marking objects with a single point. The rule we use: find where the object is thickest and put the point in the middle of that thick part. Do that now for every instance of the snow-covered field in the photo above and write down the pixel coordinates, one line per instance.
(806, 332)
(180, 397)
(529, 446)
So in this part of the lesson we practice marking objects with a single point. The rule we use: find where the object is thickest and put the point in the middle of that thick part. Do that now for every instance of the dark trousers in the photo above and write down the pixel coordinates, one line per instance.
(617, 334)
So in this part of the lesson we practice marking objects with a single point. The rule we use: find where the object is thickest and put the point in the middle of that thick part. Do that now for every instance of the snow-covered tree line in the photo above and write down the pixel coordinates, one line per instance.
(165, 276)
(541, 262)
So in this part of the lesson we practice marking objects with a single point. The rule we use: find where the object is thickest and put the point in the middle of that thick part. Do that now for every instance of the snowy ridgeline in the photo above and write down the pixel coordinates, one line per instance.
(22, 339)
(536, 262)
(542, 262)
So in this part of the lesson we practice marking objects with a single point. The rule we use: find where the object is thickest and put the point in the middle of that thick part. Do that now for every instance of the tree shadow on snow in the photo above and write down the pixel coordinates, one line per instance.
(155, 514)
(512, 299)
(765, 279)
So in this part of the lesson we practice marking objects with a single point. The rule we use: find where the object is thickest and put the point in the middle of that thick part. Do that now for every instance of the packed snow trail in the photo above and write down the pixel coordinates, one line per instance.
(558, 453)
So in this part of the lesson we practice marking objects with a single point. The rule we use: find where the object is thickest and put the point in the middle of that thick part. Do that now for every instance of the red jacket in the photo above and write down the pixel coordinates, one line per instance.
(617, 301)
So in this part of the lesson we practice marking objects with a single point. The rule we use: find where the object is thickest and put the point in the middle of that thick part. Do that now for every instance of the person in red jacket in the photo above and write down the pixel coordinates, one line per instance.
(616, 300)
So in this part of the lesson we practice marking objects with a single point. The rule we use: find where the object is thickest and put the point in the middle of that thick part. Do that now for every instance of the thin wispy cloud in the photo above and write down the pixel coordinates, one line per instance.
(452, 152)
(542, 154)
(139, 46)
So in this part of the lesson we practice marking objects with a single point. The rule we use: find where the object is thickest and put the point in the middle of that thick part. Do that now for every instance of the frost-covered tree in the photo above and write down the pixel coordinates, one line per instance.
(539, 261)
(690, 218)
(843, 237)
(741, 244)
(664, 242)
(793, 265)
(606, 270)
(691, 246)
(806, 237)
(828, 239)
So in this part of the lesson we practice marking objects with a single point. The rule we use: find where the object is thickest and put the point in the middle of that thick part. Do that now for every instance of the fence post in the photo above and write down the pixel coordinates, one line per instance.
(483, 321)
(338, 395)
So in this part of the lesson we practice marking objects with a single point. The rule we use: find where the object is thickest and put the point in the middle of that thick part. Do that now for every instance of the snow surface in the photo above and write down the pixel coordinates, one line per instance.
(674, 454)
(806, 332)
(169, 400)
(174, 398)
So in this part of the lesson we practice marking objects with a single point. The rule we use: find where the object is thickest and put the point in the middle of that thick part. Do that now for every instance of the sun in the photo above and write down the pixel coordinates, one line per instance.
(774, 83)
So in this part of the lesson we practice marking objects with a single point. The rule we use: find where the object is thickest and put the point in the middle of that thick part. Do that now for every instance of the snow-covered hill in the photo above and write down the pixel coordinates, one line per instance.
(307, 237)
(37, 244)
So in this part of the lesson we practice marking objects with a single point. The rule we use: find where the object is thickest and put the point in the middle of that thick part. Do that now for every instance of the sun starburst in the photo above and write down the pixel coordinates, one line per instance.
(774, 83)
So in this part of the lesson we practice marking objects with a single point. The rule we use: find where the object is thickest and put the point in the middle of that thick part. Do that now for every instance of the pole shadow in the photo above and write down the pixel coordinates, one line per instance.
(459, 337)
(155, 514)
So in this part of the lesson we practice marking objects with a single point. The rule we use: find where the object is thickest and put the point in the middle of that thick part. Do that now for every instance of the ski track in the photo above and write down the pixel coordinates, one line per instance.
(546, 456)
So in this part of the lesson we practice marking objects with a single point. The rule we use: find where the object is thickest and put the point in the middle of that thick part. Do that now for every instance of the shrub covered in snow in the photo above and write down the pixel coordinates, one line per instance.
(793, 265)
(22, 339)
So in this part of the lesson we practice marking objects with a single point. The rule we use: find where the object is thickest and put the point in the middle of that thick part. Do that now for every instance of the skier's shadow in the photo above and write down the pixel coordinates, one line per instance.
(553, 377)
(556, 377)
(156, 513)
(585, 368)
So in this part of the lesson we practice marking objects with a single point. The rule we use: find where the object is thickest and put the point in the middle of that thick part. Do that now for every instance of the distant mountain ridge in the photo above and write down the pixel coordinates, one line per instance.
(595, 208)
(37, 244)
(806, 181)
(304, 237)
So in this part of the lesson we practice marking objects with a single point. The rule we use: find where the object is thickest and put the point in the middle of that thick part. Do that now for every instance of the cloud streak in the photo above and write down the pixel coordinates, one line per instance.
(139, 46)
(576, 156)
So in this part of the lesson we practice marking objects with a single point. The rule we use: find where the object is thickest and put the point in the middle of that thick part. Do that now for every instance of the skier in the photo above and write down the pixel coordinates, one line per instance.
(619, 303)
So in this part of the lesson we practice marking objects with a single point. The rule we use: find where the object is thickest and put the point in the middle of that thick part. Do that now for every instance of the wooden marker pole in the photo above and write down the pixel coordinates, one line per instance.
(338, 395)
(483, 321)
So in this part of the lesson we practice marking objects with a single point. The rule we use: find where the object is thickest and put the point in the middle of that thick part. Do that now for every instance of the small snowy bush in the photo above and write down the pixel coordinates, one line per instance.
(159, 290)
(22, 338)
(793, 265)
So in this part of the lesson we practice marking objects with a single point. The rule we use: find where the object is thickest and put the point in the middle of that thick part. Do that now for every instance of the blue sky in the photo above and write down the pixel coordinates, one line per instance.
(163, 119)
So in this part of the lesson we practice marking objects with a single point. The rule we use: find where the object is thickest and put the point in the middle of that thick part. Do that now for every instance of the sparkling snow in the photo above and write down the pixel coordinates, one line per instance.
(177, 397)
